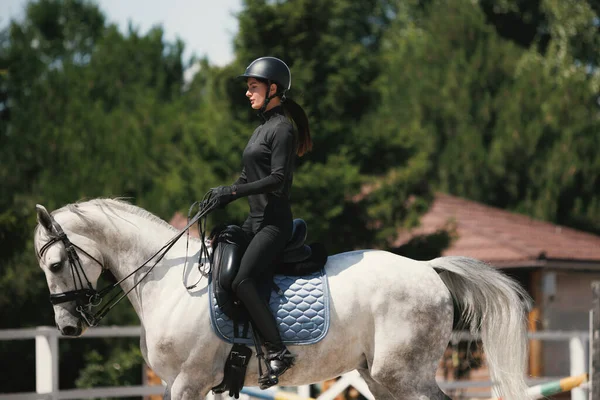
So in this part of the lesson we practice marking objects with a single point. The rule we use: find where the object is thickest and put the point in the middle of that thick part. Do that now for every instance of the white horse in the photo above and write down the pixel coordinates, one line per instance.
(391, 316)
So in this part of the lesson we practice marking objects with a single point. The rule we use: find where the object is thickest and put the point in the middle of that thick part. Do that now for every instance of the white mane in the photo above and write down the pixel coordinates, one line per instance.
(111, 204)
(116, 204)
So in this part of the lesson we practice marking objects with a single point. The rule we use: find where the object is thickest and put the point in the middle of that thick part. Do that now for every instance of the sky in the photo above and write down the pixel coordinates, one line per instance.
(207, 27)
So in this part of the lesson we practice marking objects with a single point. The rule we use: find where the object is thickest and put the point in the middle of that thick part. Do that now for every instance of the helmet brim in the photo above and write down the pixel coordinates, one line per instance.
(246, 76)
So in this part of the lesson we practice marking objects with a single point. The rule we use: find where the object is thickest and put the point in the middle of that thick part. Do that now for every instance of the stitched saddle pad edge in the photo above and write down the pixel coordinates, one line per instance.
(295, 342)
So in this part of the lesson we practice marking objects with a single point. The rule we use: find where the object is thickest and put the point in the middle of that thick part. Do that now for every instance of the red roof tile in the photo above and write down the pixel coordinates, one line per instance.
(498, 236)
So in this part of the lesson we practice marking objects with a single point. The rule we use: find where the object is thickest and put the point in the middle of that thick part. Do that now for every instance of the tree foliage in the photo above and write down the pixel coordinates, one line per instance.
(503, 124)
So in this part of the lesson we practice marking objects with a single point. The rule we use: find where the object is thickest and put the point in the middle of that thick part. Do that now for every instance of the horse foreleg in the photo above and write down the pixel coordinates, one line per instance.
(167, 395)
(188, 387)
(378, 391)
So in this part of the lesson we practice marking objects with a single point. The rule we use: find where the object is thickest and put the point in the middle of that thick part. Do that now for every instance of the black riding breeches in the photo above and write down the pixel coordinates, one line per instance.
(258, 259)
(257, 266)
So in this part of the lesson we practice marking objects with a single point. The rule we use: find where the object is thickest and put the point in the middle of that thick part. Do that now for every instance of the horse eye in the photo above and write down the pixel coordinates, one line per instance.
(56, 266)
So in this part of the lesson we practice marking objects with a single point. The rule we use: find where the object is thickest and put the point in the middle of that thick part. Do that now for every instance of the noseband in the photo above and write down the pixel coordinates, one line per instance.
(84, 294)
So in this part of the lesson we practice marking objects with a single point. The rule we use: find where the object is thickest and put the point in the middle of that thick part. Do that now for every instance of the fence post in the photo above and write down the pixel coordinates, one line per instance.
(577, 351)
(304, 391)
(46, 362)
(595, 372)
(590, 345)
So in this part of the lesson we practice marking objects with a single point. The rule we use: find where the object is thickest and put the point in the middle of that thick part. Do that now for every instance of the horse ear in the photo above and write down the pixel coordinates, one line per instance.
(43, 217)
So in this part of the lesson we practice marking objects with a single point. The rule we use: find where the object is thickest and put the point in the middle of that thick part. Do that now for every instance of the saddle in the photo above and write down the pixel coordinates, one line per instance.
(297, 259)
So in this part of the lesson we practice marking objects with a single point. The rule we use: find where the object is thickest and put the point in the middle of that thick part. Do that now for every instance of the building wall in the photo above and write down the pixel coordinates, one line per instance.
(567, 300)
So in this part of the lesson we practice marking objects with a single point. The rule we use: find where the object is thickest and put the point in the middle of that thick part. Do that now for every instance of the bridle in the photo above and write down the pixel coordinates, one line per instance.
(84, 294)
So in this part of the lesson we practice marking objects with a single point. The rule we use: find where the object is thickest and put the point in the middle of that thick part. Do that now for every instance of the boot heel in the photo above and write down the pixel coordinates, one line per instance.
(280, 360)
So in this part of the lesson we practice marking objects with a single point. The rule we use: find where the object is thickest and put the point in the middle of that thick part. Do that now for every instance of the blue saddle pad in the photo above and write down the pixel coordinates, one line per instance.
(301, 311)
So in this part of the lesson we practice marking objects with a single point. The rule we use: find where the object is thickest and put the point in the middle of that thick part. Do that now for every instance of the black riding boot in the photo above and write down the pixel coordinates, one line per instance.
(278, 356)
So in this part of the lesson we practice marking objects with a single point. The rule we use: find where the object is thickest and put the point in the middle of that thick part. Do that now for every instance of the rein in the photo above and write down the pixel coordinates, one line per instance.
(203, 249)
(85, 296)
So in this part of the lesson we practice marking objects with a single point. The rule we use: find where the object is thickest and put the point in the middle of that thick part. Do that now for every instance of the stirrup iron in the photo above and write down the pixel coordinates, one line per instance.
(277, 364)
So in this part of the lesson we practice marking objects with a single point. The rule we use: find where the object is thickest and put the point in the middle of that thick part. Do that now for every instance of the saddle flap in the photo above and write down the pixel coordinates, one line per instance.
(231, 245)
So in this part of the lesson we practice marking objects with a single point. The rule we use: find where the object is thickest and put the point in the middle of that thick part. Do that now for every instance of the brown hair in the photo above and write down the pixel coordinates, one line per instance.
(297, 114)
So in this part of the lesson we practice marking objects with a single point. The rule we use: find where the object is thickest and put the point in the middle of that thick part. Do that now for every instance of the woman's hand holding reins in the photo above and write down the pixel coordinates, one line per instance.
(224, 194)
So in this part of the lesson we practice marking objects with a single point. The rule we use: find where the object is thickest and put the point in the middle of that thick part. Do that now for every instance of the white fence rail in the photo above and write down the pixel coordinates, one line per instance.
(47, 354)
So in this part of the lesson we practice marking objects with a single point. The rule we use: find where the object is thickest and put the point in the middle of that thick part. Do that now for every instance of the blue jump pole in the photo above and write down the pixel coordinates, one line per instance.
(259, 394)
(271, 395)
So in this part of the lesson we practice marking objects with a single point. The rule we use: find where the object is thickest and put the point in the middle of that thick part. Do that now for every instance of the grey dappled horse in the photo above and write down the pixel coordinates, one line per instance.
(391, 316)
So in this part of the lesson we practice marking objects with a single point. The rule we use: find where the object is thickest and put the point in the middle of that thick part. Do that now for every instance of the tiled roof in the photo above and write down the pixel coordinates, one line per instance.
(179, 221)
(498, 236)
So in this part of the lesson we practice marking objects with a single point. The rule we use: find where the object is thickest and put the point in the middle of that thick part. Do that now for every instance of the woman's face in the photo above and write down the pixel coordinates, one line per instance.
(256, 93)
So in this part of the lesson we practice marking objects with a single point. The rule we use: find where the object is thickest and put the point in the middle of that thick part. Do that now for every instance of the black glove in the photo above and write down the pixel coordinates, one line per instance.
(223, 194)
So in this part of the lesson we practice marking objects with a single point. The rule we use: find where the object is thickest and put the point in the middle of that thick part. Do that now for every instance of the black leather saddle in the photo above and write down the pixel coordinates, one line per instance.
(297, 259)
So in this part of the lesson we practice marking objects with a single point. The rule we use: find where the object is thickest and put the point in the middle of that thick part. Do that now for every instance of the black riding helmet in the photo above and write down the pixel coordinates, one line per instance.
(271, 70)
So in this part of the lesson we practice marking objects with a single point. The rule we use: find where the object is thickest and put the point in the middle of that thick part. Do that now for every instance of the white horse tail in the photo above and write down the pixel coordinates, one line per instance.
(494, 306)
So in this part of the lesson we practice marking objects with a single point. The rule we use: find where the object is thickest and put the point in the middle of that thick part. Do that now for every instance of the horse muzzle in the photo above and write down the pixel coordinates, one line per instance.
(72, 330)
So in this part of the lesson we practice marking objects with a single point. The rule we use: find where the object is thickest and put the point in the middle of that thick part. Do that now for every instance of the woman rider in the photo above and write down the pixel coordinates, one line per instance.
(266, 180)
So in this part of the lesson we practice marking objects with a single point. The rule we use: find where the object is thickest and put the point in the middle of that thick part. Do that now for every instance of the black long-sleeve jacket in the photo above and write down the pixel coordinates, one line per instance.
(268, 162)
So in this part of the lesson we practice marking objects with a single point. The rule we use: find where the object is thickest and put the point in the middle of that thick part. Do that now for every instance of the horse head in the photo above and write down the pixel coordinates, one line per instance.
(72, 264)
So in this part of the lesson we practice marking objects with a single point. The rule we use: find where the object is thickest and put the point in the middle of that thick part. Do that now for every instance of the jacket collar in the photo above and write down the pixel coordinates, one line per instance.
(267, 115)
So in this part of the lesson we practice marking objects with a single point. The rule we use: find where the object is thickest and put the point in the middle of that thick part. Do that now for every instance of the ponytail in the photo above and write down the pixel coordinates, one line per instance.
(297, 114)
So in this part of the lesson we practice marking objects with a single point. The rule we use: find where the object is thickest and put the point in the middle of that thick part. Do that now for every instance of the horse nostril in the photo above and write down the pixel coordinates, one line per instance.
(70, 330)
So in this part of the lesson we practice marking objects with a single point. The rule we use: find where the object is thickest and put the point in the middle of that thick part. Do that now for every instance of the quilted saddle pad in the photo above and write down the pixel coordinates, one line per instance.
(301, 311)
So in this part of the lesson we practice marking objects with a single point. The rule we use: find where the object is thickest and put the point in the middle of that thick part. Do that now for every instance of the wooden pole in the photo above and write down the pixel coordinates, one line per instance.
(536, 367)
(595, 372)
(329, 383)
(151, 379)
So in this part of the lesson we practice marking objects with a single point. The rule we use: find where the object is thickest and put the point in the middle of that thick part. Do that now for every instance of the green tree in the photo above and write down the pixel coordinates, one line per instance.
(502, 124)
(87, 112)
(122, 368)
(331, 48)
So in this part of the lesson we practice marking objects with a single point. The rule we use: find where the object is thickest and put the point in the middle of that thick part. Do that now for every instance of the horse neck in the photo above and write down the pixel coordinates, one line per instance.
(128, 240)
